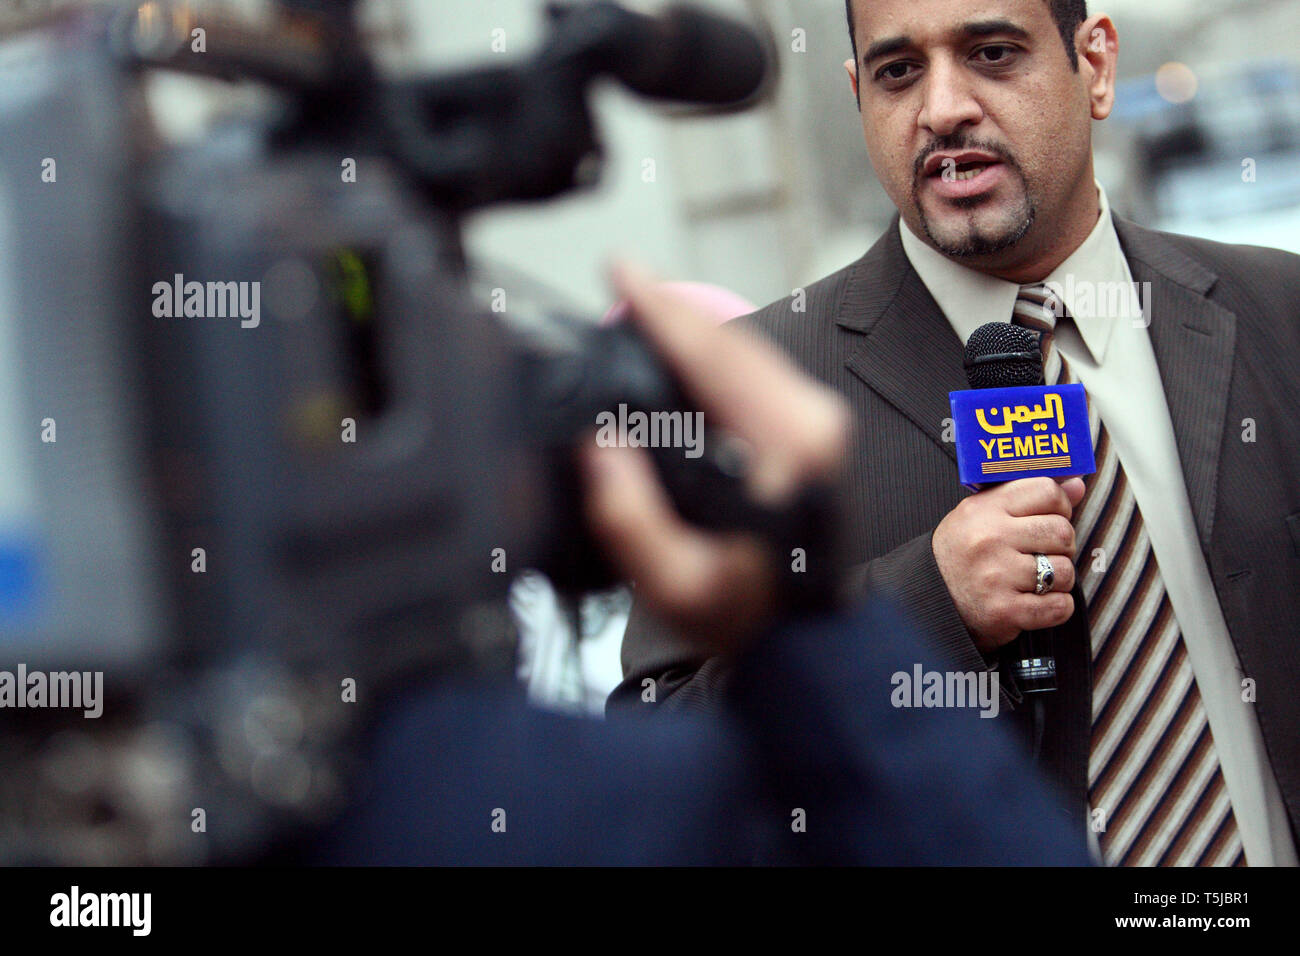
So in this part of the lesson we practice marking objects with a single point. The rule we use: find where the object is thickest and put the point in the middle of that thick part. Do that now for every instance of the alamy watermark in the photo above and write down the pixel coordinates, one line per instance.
(76, 908)
(1101, 300)
(83, 690)
(639, 429)
(209, 300)
(922, 688)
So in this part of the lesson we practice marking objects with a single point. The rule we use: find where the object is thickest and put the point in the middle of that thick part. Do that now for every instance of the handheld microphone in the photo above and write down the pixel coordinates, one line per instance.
(1010, 425)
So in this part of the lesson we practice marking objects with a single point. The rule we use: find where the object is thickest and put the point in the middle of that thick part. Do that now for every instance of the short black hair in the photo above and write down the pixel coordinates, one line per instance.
(1068, 14)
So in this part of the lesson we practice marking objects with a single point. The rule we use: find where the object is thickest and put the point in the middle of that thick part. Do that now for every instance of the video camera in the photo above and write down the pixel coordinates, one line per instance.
(263, 446)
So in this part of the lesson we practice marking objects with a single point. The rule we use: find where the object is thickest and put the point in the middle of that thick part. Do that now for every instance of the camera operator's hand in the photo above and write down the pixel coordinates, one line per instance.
(714, 588)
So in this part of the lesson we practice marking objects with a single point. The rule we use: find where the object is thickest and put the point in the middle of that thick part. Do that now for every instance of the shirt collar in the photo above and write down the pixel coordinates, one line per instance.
(970, 299)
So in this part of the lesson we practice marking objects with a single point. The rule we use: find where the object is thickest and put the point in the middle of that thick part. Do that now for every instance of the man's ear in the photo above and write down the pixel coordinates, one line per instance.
(1097, 43)
(851, 68)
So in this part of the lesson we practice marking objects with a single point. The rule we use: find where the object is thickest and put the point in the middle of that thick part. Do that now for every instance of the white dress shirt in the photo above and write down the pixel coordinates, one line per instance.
(1109, 350)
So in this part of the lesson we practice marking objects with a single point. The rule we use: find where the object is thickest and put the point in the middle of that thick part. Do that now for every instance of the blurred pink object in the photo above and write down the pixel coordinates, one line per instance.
(722, 304)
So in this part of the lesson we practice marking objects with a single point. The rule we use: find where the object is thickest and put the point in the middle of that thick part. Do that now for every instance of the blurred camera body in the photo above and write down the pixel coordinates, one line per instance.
(265, 462)
(253, 427)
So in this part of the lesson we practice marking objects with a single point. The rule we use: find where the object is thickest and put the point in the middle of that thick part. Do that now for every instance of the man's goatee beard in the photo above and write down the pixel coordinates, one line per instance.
(977, 244)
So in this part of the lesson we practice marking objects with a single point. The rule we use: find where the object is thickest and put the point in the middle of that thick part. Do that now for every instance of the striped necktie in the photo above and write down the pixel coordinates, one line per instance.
(1153, 770)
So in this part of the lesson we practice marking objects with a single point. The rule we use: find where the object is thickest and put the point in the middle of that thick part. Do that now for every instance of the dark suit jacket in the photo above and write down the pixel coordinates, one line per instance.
(1225, 326)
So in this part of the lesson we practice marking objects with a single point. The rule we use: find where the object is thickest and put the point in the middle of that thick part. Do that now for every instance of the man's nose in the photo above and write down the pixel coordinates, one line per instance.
(950, 102)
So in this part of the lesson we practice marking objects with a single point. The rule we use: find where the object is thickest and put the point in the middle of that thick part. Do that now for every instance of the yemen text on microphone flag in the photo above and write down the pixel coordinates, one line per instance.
(1007, 433)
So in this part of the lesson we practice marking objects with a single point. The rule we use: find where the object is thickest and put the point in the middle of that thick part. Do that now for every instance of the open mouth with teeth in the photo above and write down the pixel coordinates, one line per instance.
(964, 178)
(962, 172)
(965, 171)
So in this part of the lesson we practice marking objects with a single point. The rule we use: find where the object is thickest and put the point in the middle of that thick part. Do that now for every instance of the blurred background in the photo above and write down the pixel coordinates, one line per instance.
(770, 200)
(1205, 139)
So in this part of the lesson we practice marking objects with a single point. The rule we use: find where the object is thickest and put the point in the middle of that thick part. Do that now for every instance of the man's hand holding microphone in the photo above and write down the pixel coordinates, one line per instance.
(1007, 552)
(986, 547)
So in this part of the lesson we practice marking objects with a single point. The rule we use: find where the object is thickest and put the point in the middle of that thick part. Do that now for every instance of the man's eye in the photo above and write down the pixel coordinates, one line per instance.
(999, 53)
(894, 71)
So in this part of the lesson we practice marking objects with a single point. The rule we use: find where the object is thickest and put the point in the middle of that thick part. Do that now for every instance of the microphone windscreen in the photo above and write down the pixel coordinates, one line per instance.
(1002, 355)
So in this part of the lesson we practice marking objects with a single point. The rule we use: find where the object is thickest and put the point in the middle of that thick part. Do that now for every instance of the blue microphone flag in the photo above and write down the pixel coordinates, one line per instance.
(1007, 433)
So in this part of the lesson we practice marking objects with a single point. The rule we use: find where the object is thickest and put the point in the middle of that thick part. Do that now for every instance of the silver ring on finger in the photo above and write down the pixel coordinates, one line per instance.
(1046, 574)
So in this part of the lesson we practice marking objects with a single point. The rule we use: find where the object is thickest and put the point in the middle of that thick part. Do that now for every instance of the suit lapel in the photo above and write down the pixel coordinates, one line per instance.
(1194, 342)
(908, 353)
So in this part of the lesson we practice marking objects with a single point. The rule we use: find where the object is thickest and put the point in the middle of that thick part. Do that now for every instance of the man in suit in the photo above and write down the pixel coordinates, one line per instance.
(1172, 601)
